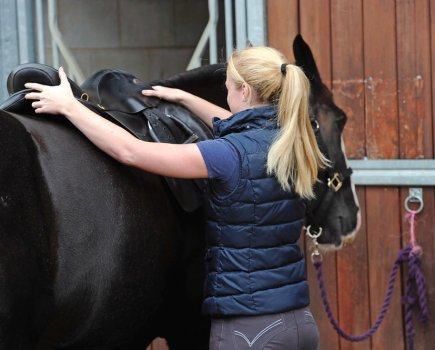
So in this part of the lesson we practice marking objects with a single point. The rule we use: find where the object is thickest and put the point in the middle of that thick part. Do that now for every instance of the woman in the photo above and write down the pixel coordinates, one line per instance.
(261, 166)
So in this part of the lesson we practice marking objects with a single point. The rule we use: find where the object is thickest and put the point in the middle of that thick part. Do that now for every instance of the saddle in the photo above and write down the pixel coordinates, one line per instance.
(116, 96)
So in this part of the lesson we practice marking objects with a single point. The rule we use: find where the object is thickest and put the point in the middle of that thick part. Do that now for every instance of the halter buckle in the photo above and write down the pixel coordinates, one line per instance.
(335, 183)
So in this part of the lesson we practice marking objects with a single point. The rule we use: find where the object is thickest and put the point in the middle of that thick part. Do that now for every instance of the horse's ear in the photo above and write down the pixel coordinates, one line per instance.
(305, 59)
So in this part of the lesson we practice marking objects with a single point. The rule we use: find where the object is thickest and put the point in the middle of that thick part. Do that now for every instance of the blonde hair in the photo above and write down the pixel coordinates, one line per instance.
(294, 157)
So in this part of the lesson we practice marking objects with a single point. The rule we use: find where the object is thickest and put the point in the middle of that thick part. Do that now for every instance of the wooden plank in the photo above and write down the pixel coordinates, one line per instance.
(432, 47)
(416, 138)
(348, 71)
(380, 71)
(353, 285)
(282, 25)
(315, 28)
(426, 220)
(383, 228)
(413, 63)
(425, 333)
(348, 90)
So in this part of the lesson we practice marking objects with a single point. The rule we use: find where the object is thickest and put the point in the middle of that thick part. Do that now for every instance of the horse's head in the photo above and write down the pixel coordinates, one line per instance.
(335, 209)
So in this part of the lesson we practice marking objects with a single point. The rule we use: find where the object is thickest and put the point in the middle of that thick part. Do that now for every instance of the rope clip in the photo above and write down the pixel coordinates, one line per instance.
(316, 256)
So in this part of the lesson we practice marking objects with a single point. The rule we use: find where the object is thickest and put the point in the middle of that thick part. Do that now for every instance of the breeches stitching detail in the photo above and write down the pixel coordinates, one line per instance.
(269, 327)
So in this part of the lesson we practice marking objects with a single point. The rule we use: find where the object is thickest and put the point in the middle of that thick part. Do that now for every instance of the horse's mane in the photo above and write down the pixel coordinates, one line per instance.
(207, 82)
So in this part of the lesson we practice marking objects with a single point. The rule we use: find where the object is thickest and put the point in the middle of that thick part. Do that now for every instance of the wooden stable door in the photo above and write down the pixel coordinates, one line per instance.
(377, 58)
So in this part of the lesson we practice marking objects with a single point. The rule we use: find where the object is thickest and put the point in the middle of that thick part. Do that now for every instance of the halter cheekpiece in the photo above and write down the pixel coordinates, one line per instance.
(284, 69)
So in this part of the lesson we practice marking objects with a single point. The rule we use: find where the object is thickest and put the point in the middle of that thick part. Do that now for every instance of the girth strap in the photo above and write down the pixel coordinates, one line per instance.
(167, 128)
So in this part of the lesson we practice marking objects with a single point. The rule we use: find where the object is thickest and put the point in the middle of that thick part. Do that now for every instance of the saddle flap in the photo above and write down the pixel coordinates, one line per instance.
(116, 90)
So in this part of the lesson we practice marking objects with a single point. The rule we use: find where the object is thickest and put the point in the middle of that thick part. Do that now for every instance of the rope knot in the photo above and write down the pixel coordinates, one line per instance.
(416, 251)
(408, 300)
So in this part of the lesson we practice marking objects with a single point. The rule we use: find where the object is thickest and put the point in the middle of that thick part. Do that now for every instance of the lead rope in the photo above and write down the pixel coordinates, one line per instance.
(411, 255)
(415, 274)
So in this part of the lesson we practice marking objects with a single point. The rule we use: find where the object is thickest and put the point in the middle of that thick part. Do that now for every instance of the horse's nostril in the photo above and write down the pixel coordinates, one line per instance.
(341, 222)
(345, 225)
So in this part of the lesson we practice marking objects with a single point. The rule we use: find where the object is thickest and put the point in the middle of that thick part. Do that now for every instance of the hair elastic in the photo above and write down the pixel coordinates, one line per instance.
(284, 68)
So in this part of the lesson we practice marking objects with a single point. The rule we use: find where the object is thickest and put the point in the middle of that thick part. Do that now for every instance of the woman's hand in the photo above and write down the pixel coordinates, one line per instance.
(165, 93)
(197, 105)
(52, 99)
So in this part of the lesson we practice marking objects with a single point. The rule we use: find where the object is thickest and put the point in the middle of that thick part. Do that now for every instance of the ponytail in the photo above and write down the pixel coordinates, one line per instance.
(294, 157)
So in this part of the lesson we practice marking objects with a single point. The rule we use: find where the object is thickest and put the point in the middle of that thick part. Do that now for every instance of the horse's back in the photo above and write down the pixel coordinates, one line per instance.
(85, 237)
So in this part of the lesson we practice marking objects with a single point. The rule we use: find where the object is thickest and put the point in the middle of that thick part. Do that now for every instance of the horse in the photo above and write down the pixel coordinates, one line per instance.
(98, 255)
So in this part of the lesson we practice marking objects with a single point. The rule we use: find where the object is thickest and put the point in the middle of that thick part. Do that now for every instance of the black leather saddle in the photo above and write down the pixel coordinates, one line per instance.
(116, 96)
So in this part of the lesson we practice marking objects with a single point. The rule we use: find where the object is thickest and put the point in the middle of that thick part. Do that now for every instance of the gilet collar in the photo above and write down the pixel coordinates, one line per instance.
(253, 118)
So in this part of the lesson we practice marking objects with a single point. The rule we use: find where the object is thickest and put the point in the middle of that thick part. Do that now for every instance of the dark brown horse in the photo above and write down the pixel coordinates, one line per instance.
(97, 255)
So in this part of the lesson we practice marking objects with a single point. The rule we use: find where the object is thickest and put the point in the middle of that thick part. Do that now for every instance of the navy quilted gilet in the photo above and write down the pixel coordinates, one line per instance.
(254, 263)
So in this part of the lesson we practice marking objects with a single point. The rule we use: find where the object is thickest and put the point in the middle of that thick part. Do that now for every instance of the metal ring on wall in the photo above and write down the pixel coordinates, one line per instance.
(414, 199)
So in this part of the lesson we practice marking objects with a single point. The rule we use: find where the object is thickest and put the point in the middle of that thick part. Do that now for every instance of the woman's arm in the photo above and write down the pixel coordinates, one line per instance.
(184, 161)
(197, 105)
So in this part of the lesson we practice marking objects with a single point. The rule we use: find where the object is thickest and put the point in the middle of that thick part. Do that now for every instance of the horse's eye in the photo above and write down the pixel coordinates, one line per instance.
(315, 125)
(341, 121)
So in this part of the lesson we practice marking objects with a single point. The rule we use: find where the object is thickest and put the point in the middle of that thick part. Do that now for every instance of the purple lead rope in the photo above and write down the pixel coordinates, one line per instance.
(415, 274)
(411, 255)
